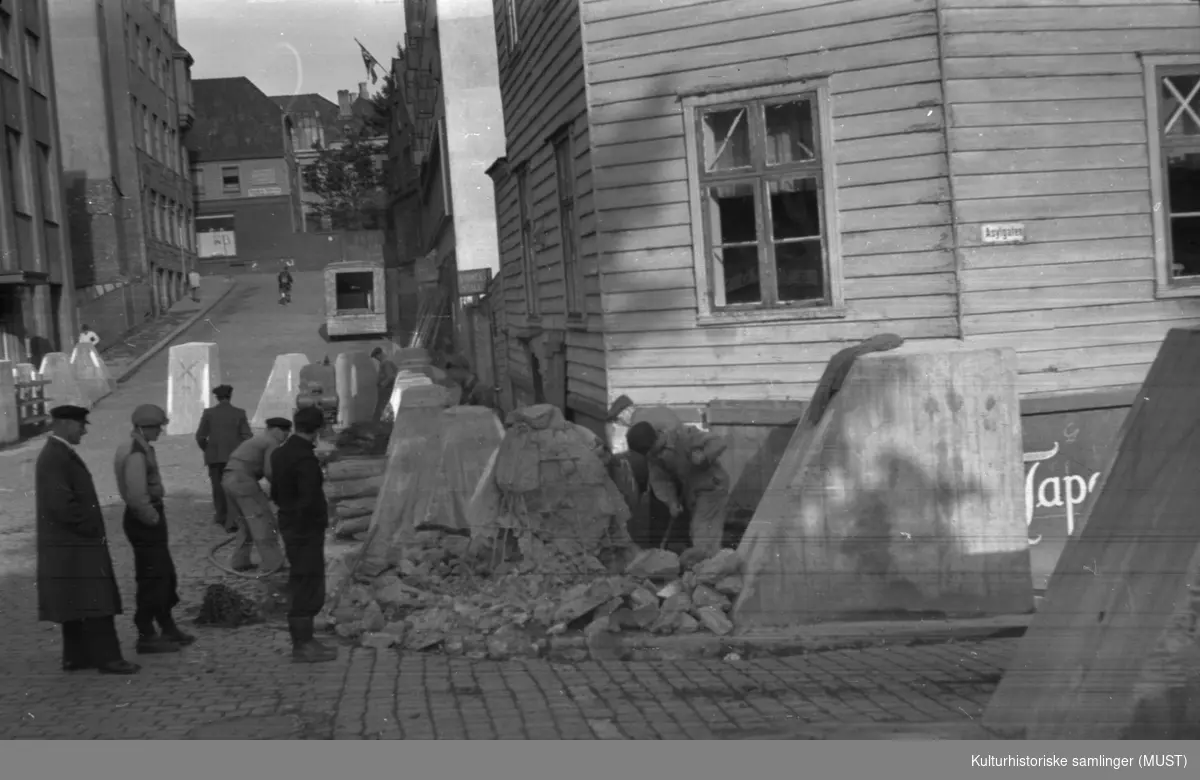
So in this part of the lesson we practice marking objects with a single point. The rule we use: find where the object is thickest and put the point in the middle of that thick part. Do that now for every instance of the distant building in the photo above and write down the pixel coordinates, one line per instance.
(315, 123)
(245, 171)
(37, 311)
(450, 85)
(124, 93)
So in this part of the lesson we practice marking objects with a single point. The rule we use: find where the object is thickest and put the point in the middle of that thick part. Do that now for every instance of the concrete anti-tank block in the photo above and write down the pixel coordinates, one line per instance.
(63, 387)
(357, 376)
(91, 373)
(193, 370)
(279, 396)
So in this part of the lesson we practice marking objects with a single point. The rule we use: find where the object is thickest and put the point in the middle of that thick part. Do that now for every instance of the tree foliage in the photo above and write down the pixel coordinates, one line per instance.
(350, 182)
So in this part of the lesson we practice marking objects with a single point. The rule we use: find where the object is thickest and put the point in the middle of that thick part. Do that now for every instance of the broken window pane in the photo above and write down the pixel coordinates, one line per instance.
(795, 209)
(796, 233)
(1181, 106)
(738, 266)
(790, 135)
(733, 229)
(726, 139)
(1183, 188)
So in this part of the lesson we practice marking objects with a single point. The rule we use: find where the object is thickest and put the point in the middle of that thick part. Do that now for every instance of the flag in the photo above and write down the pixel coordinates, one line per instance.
(370, 62)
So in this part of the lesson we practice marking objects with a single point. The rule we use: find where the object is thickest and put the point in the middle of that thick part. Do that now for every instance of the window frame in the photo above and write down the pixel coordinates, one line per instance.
(533, 303)
(35, 68)
(816, 90)
(562, 146)
(19, 189)
(512, 22)
(1153, 67)
(227, 189)
(48, 183)
(7, 43)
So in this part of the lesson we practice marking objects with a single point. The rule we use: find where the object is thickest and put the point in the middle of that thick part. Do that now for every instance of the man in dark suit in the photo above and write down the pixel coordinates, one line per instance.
(76, 586)
(297, 489)
(222, 429)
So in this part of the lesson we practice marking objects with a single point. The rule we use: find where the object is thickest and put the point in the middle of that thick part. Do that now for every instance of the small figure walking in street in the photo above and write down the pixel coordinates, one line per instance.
(285, 286)
(222, 429)
(194, 284)
(298, 490)
(386, 383)
(257, 527)
(88, 336)
(76, 585)
(145, 524)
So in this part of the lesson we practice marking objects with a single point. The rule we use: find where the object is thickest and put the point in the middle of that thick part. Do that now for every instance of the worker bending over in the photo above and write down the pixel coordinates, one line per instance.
(256, 524)
(684, 473)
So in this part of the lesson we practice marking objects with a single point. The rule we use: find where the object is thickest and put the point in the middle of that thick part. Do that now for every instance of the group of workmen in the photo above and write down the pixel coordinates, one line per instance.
(77, 586)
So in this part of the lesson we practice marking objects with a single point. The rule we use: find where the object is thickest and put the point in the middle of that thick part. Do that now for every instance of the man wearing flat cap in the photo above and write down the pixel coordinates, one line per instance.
(76, 585)
(222, 429)
(145, 523)
(257, 527)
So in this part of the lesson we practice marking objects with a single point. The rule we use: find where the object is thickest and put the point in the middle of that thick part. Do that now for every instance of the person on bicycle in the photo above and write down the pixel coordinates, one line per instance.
(285, 286)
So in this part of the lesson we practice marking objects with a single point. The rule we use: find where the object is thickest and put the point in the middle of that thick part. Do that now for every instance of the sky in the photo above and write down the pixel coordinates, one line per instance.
(290, 46)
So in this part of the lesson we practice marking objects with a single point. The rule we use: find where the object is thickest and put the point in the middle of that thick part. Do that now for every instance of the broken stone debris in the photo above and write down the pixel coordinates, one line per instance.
(547, 555)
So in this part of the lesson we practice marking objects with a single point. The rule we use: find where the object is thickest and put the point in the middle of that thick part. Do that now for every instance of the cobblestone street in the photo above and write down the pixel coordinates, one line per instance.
(240, 683)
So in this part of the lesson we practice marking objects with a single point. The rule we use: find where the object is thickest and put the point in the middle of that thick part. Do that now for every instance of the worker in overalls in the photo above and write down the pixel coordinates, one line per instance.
(256, 524)
(145, 523)
(685, 473)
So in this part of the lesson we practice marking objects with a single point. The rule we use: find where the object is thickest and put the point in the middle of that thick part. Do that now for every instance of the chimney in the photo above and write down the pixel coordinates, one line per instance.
(344, 103)
(362, 90)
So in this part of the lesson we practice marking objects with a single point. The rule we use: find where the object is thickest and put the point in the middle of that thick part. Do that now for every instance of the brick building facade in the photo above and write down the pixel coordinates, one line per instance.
(36, 282)
(124, 86)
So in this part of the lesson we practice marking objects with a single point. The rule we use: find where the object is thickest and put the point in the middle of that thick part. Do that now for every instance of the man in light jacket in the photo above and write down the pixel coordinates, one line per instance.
(257, 527)
(145, 524)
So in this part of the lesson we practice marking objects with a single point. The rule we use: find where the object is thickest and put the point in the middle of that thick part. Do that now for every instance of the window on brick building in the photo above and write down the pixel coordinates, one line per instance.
(49, 183)
(146, 128)
(156, 138)
(157, 67)
(35, 63)
(18, 172)
(141, 46)
(6, 42)
(231, 179)
(133, 115)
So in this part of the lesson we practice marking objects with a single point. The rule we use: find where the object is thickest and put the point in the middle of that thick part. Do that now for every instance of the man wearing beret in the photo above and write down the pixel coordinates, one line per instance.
(249, 464)
(297, 489)
(145, 524)
(76, 585)
(222, 428)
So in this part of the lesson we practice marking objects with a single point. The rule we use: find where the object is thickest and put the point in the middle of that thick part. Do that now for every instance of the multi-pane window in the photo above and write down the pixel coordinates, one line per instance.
(6, 43)
(49, 183)
(528, 258)
(510, 18)
(761, 172)
(18, 173)
(35, 62)
(231, 179)
(568, 229)
(1179, 122)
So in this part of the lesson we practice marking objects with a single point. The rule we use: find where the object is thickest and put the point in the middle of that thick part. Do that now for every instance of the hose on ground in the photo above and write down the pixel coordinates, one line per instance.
(212, 558)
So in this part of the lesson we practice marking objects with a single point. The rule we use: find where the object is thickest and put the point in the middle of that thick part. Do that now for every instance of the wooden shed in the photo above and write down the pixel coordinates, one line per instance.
(703, 200)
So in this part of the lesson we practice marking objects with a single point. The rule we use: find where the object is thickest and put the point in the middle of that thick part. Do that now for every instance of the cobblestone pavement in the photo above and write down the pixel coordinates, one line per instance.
(240, 684)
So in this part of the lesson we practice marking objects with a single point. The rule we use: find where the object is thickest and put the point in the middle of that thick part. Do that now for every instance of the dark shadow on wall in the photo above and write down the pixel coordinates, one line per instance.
(79, 221)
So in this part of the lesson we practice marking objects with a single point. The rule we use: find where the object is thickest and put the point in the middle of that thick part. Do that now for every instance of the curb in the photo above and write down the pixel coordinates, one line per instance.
(818, 639)
(162, 343)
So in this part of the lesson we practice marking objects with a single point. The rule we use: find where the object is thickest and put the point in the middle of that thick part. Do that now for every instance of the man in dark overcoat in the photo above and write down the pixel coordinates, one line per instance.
(222, 429)
(76, 585)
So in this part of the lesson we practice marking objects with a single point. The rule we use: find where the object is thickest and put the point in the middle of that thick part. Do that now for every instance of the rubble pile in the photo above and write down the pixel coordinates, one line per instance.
(439, 596)
(545, 553)
(225, 607)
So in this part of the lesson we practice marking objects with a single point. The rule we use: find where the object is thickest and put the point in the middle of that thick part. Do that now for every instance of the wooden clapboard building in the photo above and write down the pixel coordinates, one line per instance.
(703, 200)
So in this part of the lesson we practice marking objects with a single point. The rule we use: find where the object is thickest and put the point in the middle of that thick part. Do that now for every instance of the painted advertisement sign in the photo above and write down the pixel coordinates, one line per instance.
(1064, 456)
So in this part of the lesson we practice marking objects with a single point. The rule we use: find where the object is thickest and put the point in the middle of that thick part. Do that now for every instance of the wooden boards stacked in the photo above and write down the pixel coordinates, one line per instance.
(1113, 652)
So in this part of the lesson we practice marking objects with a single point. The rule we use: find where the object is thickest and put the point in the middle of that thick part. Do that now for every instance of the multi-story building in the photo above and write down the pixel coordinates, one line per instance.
(315, 124)
(37, 312)
(124, 94)
(245, 172)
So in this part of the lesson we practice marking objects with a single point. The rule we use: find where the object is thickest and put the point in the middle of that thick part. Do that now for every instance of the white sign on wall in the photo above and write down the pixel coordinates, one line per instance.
(262, 176)
(263, 192)
(1004, 233)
